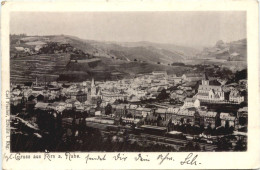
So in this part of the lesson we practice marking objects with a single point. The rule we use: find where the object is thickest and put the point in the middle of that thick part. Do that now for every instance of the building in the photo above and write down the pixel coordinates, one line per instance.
(210, 91)
(208, 118)
(242, 116)
(191, 77)
(191, 102)
(42, 106)
(186, 116)
(95, 93)
(235, 96)
(227, 120)
(143, 112)
(159, 74)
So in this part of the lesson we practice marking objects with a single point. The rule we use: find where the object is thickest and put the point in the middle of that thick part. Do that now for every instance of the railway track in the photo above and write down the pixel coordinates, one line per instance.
(180, 141)
(161, 139)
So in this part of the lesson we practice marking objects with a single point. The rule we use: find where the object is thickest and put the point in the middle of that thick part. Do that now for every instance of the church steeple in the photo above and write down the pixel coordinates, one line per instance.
(93, 88)
(93, 83)
(205, 80)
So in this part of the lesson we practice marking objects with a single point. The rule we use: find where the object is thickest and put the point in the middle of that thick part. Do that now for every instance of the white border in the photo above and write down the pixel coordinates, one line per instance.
(219, 160)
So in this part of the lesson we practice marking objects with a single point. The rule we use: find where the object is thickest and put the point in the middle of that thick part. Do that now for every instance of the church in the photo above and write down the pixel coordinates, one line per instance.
(95, 93)
(210, 91)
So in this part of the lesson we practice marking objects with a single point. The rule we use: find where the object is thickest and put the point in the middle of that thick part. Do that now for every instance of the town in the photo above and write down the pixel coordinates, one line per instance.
(153, 111)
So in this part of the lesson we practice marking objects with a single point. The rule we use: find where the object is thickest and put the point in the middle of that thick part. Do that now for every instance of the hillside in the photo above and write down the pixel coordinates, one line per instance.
(233, 51)
(138, 52)
(70, 58)
(176, 49)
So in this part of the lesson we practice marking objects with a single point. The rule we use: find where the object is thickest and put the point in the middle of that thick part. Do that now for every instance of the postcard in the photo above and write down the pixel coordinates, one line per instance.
(130, 85)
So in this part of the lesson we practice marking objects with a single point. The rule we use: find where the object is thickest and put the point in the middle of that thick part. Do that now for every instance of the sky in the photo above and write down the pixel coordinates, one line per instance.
(194, 29)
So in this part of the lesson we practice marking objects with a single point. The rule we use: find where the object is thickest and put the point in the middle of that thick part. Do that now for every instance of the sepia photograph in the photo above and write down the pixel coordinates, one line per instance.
(154, 81)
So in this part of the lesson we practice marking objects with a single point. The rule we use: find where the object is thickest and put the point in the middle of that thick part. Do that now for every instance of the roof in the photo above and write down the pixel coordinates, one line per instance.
(19, 48)
(190, 100)
(210, 87)
(192, 75)
(55, 104)
(173, 110)
(235, 93)
(151, 117)
(190, 84)
(153, 127)
(214, 83)
(143, 109)
(160, 110)
(211, 114)
(203, 94)
(195, 79)
(41, 105)
(186, 112)
(235, 54)
(226, 116)
(204, 113)
(244, 109)
(174, 133)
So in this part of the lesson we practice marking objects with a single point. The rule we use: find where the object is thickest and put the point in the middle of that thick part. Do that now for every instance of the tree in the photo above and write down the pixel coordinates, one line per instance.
(197, 147)
(240, 146)
(241, 75)
(223, 144)
(108, 109)
(163, 95)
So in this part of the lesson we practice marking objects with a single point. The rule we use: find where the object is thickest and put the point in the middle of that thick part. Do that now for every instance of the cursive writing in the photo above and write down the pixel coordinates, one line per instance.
(120, 157)
(7, 157)
(162, 158)
(97, 158)
(190, 160)
(141, 158)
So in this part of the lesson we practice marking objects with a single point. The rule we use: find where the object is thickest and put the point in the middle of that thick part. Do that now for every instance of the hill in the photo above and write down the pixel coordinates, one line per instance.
(233, 51)
(70, 58)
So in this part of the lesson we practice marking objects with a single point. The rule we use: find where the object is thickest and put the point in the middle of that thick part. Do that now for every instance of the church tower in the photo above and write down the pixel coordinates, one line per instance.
(93, 88)
(205, 80)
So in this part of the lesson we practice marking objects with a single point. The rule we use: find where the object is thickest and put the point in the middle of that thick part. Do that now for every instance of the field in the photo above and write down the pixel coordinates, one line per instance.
(26, 69)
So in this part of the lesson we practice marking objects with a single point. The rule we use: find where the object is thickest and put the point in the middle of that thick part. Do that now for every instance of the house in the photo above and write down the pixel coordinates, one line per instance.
(38, 47)
(16, 92)
(143, 112)
(235, 96)
(171, 114)
(161, 112)
(243, 82)
(191, 77)
(227, 120)
(55, 106)
(242, 116)
(186, 116)
(208, 118)
(27, 50)
(242, 112)
(69, 105)
(80, 108)
(176, 80)
(159, 74)
(191, 102)
(19, 48)
(120, 110)
(77, 103)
